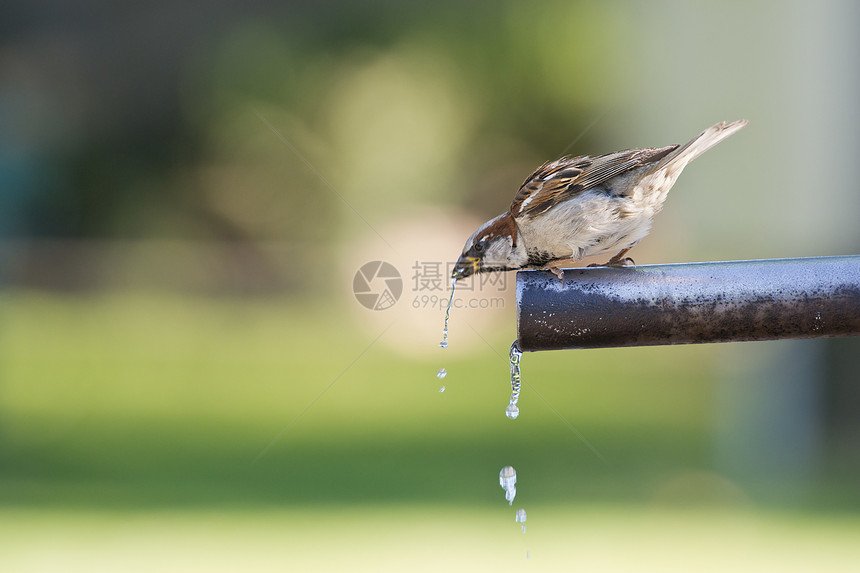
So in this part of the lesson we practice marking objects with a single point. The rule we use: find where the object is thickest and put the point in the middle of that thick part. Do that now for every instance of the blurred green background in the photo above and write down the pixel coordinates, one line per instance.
(188, 383)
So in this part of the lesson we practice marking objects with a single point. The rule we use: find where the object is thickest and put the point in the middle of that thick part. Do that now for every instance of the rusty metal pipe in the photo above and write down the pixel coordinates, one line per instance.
(689, 303)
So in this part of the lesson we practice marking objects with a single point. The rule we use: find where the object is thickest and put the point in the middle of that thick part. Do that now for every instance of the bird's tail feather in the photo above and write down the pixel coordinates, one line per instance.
(700, 144)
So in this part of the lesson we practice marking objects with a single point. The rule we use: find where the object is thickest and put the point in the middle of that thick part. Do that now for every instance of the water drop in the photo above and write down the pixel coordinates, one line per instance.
(512, 411)
(444, 343)
(521, 518)
(442, 389)
(442, 373)
(507, 476)
(508, 481)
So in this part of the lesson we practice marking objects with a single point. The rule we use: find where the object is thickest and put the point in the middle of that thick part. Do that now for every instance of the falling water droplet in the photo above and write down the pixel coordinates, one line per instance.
(442, 389)
(444, 343)
(507, 477)
(442, 373)
(508, 481)
(521, 518)
(512, 411)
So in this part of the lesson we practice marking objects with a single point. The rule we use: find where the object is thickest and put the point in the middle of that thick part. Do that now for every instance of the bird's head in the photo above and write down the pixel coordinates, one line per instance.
(493, 247)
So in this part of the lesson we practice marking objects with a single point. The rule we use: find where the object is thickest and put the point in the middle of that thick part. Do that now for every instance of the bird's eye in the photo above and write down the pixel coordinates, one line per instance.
(479, 247)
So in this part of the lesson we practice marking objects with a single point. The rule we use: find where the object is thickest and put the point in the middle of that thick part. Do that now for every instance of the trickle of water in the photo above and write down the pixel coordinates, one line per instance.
(512, 411)
(442, 373)
(508, 481)
(521, 518)
(444, 343)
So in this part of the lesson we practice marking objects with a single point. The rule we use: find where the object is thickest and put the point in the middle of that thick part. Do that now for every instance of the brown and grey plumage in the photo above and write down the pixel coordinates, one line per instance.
(577, 207)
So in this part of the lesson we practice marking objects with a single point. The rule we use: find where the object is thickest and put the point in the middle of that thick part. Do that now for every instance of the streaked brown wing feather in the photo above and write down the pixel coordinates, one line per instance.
(559, 180)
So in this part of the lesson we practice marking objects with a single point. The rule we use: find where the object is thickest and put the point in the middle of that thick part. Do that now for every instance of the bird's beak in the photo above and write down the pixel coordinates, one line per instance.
(465, 267)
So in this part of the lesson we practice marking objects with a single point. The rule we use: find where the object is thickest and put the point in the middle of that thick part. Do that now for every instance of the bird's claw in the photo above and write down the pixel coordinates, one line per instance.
(625, 262)
(616, 263)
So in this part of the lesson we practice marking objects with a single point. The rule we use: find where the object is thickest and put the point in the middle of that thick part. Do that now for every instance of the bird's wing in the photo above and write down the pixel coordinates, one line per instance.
(559, 180)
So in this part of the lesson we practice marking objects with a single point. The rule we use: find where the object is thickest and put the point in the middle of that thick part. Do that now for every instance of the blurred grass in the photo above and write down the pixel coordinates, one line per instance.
(148, 400)
(131, 421)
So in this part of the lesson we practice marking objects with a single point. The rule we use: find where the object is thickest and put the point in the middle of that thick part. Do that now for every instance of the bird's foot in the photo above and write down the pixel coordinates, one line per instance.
(618, 261)
(619, 264)
(556, 267)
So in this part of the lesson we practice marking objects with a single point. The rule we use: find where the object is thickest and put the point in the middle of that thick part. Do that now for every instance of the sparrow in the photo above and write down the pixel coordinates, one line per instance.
(577, 207)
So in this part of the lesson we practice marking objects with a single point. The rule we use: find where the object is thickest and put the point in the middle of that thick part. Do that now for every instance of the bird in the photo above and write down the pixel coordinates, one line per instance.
(578, 207)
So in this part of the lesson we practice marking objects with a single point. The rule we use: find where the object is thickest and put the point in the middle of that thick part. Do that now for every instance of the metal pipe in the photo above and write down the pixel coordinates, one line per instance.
(689, 303)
